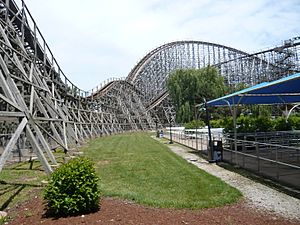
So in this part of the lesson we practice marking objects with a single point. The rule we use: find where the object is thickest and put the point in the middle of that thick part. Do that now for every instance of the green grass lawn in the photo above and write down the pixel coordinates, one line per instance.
(132, 166)
(17, 182)
(136, 167)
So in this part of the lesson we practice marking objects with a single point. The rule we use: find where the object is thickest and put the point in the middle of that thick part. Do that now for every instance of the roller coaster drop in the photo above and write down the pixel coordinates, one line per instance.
(40, 108)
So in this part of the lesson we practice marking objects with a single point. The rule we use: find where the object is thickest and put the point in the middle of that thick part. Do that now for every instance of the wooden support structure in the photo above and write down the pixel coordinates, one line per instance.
(41, 108)
(39, 104)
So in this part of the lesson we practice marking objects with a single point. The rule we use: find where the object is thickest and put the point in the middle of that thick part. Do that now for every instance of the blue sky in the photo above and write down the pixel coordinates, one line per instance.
(94, 40)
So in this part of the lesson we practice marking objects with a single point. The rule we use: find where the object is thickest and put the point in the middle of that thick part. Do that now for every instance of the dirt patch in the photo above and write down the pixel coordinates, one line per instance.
(103, 163)
(29, 179)
(120, 212)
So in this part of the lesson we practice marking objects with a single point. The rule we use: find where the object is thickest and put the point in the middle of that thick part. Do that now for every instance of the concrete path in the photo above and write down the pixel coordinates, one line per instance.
(257, 195)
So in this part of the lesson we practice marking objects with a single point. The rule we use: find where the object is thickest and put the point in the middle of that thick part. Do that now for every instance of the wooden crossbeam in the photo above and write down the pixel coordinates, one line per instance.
(48, 106)
(11, 114)
(12, 142)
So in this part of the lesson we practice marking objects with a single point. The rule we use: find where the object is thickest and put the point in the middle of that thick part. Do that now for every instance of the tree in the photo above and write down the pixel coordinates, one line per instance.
(190, 86)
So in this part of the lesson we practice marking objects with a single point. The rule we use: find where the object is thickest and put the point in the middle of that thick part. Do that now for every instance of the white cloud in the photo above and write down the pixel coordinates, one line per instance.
(94, 40)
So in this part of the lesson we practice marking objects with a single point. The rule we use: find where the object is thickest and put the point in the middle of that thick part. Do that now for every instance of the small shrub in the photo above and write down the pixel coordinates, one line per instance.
(280, 124)
(263, 124)
(194, 124)
(295, 121)
(228, 125)
(73, 188)
(3, 219)
(216, 123)
(245, 124)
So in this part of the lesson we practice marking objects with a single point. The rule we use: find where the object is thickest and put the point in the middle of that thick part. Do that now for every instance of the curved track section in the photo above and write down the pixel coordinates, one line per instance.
(151, 73)
(120, 98)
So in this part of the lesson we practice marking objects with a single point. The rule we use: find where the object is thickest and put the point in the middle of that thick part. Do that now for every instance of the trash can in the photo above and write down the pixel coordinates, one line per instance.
(161, 134)
(218, 151)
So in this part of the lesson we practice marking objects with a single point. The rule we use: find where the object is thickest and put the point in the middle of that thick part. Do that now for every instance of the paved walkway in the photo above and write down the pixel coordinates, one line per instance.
(257, 195)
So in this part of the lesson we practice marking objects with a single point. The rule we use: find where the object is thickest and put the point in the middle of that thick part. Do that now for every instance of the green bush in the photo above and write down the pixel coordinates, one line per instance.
(249, 124)
(228, 125)
(295, 121)
(245, 124)
(216, 123)
(194, 124)
(263, 124)
(280, 124)
(73, 188)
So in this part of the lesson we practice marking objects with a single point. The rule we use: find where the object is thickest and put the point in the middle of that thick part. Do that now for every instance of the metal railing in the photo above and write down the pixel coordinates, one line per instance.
(102, 85)
(275, 155)
(197, 140)
(276, 161)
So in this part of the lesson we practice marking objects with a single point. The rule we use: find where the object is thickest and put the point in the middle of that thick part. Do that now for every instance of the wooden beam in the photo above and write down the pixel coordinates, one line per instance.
(11, 114)
(43, 142)
(38, 151)
(13, 140)
(10, 101)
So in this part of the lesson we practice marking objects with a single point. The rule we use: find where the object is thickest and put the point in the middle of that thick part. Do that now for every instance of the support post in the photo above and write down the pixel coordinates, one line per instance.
(171, 141)
(12, 142)
(235, 135)
(196, 136)
(277, 165)
(210, 143)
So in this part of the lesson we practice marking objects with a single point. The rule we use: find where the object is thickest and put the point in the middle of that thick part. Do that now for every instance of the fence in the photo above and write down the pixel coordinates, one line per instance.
(275, 155)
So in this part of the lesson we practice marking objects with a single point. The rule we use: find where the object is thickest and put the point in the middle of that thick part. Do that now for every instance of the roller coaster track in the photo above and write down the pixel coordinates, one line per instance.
(151, 73)
(41, 109)
(158, 100)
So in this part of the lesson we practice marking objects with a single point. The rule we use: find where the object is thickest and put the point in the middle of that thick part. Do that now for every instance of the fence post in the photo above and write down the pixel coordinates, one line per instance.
(188, 140)
(200, 138)
(257, 156)
(196, 140)
(277, 165)
(180, 137)
(231, 150)
(243, 150)
(192, 140)
(297, 155)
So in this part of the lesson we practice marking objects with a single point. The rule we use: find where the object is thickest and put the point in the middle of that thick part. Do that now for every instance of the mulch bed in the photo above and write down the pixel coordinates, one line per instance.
(120, 212)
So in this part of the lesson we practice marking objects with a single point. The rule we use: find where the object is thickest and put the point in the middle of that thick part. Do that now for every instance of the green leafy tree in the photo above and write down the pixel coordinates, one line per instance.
(184, 112)
(189, 87)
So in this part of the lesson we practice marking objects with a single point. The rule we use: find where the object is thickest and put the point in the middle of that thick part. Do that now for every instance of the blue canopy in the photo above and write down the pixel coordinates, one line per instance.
(282, 91)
